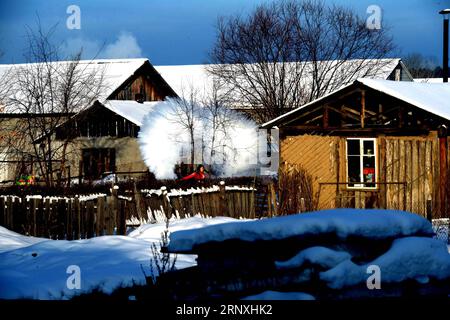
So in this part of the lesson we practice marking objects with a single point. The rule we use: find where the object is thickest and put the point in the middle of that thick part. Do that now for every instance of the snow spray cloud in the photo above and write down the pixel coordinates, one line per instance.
(224, 140)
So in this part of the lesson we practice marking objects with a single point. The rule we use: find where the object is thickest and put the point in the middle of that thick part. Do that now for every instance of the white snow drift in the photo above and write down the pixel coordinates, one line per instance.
(35, 268)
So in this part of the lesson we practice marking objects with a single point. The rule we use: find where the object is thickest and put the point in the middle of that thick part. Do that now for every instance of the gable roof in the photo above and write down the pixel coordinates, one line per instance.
(431, 97)
(115, 72)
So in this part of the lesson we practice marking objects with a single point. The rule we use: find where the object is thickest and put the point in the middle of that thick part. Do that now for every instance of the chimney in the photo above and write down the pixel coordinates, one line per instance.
(445, 13)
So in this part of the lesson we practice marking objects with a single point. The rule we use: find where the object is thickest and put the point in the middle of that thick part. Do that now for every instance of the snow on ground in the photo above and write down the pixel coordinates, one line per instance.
(152, 232)
(35, 268)
(416, 258)
(374, 224)
(10, 240)
(276, 295)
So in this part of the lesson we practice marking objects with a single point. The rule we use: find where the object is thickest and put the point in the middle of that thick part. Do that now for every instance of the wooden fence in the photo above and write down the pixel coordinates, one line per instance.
(233, 202)
(65, 218)
(96, 215)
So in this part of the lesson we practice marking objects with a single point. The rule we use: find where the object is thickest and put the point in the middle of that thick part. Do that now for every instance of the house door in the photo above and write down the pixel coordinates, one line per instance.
(98, 162)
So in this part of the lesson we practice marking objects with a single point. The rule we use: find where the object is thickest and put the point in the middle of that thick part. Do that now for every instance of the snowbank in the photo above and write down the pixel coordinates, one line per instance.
(10, 240)
(415, 258)
(372, 224)
(152, 232)
(35, 268)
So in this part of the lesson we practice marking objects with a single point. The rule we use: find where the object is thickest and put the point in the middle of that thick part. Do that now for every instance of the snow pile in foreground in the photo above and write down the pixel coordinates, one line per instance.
(335, 248)
(276, 295)
(409, 258)
(372, 224)
(35, 268)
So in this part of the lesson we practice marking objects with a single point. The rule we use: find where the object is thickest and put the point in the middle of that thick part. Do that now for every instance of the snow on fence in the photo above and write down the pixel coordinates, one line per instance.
(86, 216)
(78, 217)
(221, 200)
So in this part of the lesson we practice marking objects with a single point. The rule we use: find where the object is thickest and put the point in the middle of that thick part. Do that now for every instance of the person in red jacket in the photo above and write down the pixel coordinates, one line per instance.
(198, 175)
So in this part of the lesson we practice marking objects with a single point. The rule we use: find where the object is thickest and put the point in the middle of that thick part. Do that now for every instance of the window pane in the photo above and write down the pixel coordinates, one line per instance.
(354, 174)
(353, 147)
(369, 171)
(368, 147)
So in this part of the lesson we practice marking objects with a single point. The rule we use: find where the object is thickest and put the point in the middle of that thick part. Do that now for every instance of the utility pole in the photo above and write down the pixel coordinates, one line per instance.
(445, 13)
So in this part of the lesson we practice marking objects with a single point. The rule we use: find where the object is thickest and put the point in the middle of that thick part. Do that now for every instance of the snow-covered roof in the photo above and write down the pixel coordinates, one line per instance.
(431, 97)
(131, 110)
(115, 72)
(182, 79)
(185, 78)
(429, 80)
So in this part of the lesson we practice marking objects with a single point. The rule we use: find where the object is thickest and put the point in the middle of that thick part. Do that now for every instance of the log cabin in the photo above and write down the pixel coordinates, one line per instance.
(373, 144)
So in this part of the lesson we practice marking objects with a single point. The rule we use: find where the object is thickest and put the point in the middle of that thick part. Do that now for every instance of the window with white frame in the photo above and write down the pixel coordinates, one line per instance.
(361, 163)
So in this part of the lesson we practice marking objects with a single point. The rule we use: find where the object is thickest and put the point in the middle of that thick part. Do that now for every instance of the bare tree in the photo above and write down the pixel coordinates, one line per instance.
(45, 92)
(185, 111)
(217, 120)
(420, 66)
(287, 53)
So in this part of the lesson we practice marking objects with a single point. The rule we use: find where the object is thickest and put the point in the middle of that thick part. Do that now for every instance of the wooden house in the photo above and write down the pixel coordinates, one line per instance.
(373, 143)
(104, 140)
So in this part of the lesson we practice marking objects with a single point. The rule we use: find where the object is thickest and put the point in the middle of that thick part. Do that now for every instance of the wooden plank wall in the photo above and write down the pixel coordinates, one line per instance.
(413, 160)
(316, 154)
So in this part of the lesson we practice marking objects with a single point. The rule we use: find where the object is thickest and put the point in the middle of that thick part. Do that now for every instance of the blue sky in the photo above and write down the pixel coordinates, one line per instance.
(172, 32)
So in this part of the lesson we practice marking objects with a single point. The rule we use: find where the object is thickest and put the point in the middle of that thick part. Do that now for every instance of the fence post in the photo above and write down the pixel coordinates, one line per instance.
(9, 214)
(166, 203)
(138, 201)
(115, 207)
(77, 219)
(122, 221)
(2, 211)
(34, 218)
(443, 149)
(222, 199)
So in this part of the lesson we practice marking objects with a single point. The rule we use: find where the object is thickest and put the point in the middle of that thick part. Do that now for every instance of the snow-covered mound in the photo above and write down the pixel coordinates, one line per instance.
(371, 224)
(325, 254)
(35, 268)
(410, 258)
